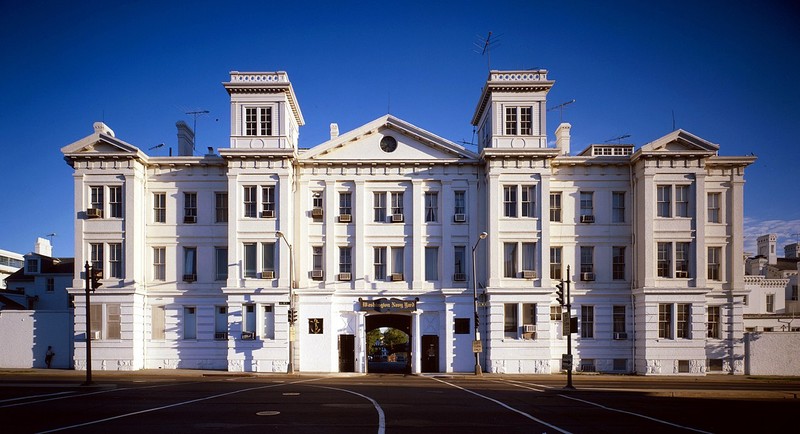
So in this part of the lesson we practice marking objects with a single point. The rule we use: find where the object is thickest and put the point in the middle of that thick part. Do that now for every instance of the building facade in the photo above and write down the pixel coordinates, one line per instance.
(207, 258)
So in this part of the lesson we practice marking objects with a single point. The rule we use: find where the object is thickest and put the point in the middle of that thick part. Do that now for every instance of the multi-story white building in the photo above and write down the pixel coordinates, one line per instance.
(205, 256)
(10, 262)
(773, 303)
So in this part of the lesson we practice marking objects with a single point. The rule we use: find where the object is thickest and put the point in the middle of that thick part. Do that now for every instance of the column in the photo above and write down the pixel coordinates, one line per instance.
(416, 336)
(417, 238)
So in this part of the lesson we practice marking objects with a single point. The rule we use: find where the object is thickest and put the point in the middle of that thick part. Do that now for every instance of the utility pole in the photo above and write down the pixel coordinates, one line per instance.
(564, 299)
(93, 277)
(569, 335)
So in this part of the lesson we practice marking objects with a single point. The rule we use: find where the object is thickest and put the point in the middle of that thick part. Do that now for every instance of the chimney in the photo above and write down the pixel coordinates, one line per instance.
(334, 130)
(562, 138)
(185, 139)
(43, 247)
(102, 128)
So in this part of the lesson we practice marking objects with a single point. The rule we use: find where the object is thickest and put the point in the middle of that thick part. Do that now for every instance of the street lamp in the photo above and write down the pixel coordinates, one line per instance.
(290, 366)
(476, 347)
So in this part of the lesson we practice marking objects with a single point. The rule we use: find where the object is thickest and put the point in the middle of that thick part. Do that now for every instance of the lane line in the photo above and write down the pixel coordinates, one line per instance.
(78, 395)
(517, 384)
(381, 416)
(502, 404)
(35, 396)
(177, 404)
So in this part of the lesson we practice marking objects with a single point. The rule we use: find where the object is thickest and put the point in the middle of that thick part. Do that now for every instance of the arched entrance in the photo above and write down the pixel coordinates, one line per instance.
(394, 356)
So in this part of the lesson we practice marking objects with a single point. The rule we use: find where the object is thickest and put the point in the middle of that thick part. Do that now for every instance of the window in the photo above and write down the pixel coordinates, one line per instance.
(713, 322)
(525, 121)
(665, 321)
(431, 206)
(268, 257)
(431, 263)
(220, 322)
(618, 318)
(713, 207)
(714, 365)
(32, 264)
(249, 259)
(258, 121)
(618, 263)
(587, 321)
(682, 260)
(460, 202)
(379, 262)
(96, 252)
(249, 321)
(96, 197)
(96, 324)
(511, 121)
(510, 201)
(115, 261)
(268, 200)
(714, 255)
(159, 263)
(316, 199)
(269, 322)
(461, 326)
(316, 258)
(528, 201)
(460, 260)
(587, 260)
(250, 201)
(528, 318)
(587, 203)
(556, 312)
(345, 259)
(664, 260)
(555, 206)
(159, 207)
(115, 202)
(519, 121)
(51, 284)
(379, 207)
(510, 320)
(190, 264)
(220, 263)
(113, 321)
(620, 365)
(397, 203)
(664, 201)
(529, 256)
(794, 293)
(682, 201)
(158, 319)
(770, 302)
(618, 207)
(684, 321)
(555, 263)
(189, 322)
(221, 207)
(190, 207)
(397, 260)
(345, 203)
(510, 259)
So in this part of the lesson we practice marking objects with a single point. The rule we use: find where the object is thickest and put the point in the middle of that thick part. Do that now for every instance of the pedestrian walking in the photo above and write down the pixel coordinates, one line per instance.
(48, 356)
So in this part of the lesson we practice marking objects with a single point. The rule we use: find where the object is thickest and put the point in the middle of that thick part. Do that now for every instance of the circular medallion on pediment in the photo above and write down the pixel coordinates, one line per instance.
(388, 144)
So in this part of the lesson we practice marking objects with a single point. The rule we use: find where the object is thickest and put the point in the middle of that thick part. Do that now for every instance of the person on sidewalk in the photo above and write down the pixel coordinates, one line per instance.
(48, 356)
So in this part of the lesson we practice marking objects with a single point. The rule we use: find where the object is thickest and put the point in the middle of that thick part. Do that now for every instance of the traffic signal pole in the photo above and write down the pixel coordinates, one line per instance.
(88, 275)
(569, 335)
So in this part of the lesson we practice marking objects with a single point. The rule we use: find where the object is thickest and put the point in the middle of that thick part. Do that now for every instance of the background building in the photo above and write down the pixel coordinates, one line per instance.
(204, 257)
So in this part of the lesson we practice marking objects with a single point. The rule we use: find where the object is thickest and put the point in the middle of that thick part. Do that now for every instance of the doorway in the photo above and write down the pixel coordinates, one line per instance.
(388, 343)
(347, 353)
(430, 353)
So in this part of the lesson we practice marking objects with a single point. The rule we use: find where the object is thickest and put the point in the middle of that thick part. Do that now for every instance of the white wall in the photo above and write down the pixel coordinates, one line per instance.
(26, 335)
(765, 353)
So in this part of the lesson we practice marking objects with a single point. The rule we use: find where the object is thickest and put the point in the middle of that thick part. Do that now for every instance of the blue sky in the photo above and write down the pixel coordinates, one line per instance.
(725, 71)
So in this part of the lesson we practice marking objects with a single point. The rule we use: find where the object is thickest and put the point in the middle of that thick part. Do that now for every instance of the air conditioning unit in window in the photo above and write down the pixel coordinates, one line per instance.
(94, 213)
(682, 274)
(345, 276)
(317, 274)
(587, 219)
(397, 218)
(459, 277)
(95, 335)
(316, 213)
(528, 274)
(221, 335)
(190, 219)
(267, 274)
(460, 218)
(345, 218)
(529, 328)
(397, 277)
(248, 336)
(620, 336)
(587, 277)
(189, 277)
(268, 214)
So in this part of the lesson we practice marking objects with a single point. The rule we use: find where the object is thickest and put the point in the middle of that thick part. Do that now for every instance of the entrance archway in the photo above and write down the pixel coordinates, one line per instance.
(390, 358)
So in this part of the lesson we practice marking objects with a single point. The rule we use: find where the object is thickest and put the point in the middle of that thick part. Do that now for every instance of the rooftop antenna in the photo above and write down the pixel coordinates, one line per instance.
(51, 235)
(485, 45)
(155, 147)
(618, 139)
(673, 120)
(561, 108)
(196, 113)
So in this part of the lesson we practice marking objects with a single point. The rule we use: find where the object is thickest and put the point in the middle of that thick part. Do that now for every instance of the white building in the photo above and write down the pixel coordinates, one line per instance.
(773, 304)
(10, 262)
(377, 227)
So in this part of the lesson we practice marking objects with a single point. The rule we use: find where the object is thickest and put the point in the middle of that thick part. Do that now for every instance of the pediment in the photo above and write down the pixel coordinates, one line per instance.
(680, 141)
(101, 142)
(364, 143)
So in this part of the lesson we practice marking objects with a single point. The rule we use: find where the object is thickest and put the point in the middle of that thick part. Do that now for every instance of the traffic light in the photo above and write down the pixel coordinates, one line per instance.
(292, 316)
(560, 293)
(477, 320)
(95, 275)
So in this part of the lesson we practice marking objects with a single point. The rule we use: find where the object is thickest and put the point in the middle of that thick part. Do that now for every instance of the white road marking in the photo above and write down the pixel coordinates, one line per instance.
(381, 416)
(177, 404)
(502, 404)
(78, 395)
(35, 396)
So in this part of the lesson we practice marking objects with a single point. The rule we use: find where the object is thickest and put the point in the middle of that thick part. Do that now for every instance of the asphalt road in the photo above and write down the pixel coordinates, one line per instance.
(205, 401)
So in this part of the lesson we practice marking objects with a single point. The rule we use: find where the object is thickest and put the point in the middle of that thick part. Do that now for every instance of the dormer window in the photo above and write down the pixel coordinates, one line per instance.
(32, 266)
(519, 121)
(258, 121)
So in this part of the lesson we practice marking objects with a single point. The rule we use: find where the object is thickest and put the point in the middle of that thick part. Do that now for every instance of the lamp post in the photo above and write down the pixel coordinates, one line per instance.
(476, 342)
(290, 365)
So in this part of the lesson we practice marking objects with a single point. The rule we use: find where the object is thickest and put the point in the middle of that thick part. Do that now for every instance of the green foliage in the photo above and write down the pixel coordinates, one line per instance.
(393, 337)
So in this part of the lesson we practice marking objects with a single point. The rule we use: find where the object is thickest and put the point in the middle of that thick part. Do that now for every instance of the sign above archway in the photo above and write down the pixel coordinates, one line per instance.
(388, 305)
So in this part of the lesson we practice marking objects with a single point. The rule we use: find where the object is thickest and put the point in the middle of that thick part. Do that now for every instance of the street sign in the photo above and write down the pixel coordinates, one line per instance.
(566, 362)
(477, 347)
(483, 304)
(565, 324)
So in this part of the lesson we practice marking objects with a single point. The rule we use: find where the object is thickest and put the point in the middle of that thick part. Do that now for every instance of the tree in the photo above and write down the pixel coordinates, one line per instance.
(393, 337)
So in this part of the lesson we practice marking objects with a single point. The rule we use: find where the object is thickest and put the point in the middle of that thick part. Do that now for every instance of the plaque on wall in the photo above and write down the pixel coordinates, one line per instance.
(315, 326)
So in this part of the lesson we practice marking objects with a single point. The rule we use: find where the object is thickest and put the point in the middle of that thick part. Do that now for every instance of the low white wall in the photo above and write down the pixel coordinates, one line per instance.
(772, 353)
(26, 334)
